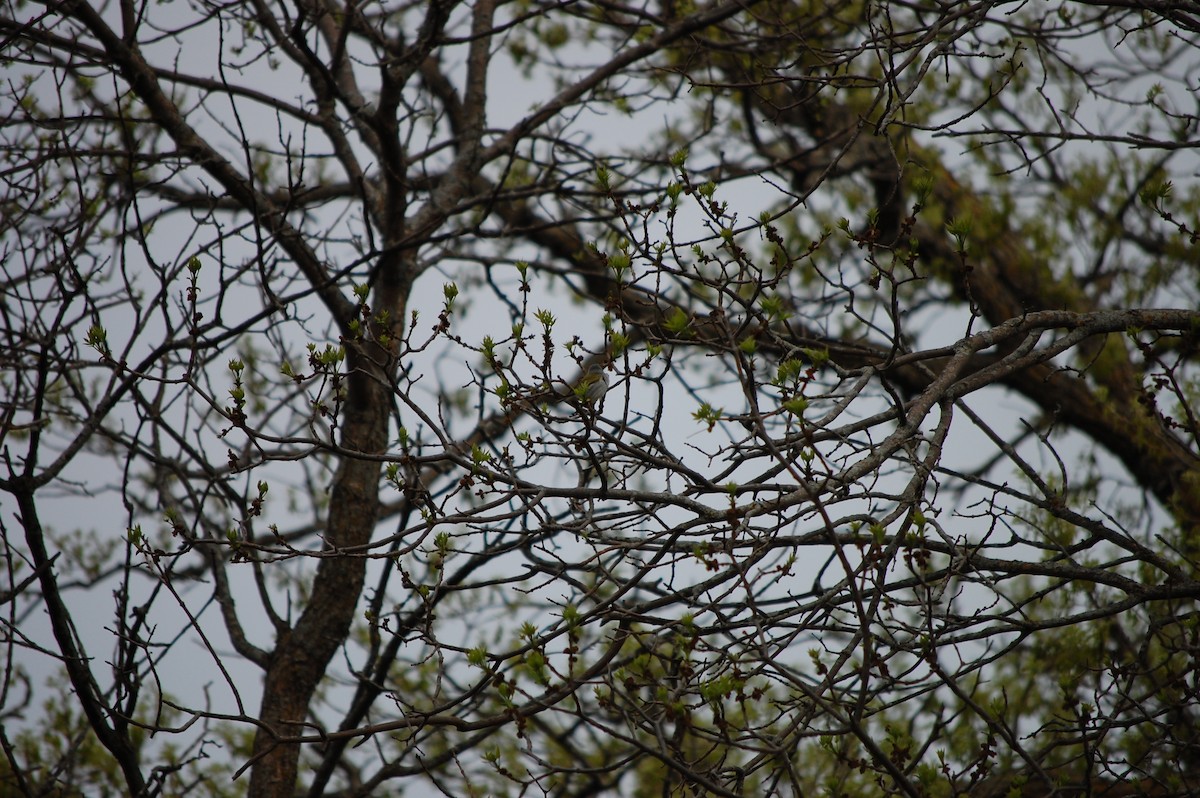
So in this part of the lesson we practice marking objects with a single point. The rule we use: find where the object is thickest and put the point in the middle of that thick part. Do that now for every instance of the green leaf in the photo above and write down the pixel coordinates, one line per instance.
(676, 321)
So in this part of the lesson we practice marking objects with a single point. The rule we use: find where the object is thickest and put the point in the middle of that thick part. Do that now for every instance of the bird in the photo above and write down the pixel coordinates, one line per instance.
(592, 385)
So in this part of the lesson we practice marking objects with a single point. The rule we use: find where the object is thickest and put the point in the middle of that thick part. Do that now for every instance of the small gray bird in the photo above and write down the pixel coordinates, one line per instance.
(592, 385)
